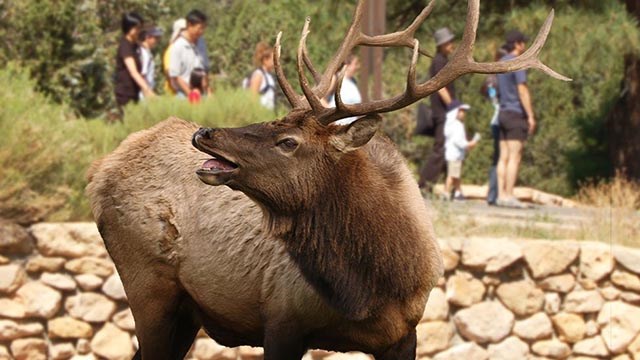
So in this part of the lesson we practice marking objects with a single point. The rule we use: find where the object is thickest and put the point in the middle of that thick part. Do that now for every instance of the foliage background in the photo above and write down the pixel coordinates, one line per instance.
(57, 60)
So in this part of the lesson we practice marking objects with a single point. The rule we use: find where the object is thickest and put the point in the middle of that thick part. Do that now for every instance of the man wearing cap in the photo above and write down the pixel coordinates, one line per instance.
(516, 119)
(148, 40)
(440, 100)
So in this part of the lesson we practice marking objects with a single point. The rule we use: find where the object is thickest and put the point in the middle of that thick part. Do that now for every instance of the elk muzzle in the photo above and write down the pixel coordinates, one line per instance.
(218, 170)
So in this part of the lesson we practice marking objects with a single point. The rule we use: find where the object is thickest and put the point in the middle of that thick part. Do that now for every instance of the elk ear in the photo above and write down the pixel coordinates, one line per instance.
(358, 133)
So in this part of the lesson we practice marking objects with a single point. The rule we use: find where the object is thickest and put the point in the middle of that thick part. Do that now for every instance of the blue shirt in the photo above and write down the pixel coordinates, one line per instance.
(508, 88)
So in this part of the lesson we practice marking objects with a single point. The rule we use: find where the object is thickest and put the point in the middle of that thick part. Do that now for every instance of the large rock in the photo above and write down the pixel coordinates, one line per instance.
(112, 343)
(10, 330)
(511, 348)
(12, 276)
(4, 353)
(14, 239)
(113, 288)
(124, 320)
(59, 281)
(69, 328)
(626, 280)
(596, 260)
(490, 255)
(61, 351)
(521, 297)
(89, 282)
(70, 240)
(627, 257)
(621, 325)
(48, 264)
(549, 257)
(466, 351)
(39, 300)
(484, 322)
(591, 347)
(207, 349)
(634, 348)
(91, 307)
(29, 349)
(581, 301)
(559, 283)
(569, 327)
(12, 309)
(536, 327)
(437, 307)
(464, 290)
(554, 349)
(450, 257)
(433, 337)
(90, 265)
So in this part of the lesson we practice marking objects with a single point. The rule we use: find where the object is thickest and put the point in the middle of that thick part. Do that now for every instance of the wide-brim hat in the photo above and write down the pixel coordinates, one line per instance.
(443, 36)
(178, 26)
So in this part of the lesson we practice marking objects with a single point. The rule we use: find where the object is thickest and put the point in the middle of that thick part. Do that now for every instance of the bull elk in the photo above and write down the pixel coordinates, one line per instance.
(320, 238)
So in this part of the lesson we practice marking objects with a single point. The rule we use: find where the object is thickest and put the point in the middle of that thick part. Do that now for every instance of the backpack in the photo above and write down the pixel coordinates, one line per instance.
(424, 120)
(247, 81)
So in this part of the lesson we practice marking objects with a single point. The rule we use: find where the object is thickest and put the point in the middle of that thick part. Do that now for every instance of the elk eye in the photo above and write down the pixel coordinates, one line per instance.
(287, 144)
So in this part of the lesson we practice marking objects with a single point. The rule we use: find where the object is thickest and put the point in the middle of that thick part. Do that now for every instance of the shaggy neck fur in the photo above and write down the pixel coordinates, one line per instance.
(358, 245)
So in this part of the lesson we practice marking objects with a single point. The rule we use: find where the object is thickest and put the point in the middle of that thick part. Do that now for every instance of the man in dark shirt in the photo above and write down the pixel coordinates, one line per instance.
(435, 164)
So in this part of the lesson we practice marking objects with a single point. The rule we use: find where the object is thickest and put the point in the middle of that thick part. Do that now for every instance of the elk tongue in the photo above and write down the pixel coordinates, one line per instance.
(217, 164)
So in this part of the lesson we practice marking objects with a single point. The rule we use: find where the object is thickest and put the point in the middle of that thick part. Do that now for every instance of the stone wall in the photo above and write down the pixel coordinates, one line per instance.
(60, 298)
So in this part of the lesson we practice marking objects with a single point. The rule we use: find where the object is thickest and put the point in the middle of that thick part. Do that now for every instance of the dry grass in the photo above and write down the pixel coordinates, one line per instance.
(619, 193)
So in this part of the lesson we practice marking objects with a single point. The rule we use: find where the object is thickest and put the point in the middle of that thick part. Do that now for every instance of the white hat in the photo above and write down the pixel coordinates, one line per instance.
(178, 26)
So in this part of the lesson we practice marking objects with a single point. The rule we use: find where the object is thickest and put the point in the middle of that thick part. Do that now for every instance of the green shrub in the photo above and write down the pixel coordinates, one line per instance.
(45, 150)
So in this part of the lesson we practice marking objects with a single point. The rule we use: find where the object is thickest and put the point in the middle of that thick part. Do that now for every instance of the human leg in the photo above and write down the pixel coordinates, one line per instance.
(435, 163)
(492, 195)
(513, 165)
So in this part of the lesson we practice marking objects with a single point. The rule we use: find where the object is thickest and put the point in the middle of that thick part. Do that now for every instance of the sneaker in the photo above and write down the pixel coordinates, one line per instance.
(512, 203)
(458, 197)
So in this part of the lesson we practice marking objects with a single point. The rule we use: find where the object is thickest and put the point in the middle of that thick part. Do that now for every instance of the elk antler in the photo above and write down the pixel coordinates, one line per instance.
(460, 63)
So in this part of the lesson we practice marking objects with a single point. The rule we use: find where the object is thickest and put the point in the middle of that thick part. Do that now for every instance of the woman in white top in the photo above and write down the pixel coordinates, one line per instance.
(262, 82)
(349, 92)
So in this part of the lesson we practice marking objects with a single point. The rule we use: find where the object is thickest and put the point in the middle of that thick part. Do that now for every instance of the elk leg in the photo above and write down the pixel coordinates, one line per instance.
(283, 343)
(405, 349)
(165, 325)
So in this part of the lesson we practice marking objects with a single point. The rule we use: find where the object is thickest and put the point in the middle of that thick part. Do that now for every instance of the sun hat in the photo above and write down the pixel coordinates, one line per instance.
(443, 36)
(178, 26)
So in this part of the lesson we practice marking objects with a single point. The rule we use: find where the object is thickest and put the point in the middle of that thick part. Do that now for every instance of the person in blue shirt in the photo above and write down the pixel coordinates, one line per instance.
(516, 118)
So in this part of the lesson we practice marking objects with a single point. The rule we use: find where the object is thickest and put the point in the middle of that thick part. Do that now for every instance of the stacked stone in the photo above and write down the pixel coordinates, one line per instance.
(60, 298)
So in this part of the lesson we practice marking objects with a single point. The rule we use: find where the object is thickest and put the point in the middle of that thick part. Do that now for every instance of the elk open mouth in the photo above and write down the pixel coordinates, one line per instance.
(217, 170)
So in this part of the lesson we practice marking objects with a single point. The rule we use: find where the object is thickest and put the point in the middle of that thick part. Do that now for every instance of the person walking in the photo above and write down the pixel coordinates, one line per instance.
(185, 54)
(435, 164)
(516, 118)
(128, 80)
(261, 81)
(149, 38)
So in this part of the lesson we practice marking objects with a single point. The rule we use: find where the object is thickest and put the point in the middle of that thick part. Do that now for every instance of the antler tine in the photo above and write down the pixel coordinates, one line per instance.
(294, 99)
(340, 105)
(460, 63)
(351, 38)
(309, 65)
(400, 38)
(313, 100)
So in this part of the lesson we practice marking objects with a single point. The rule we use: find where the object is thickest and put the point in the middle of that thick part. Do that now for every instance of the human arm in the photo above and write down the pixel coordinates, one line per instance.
(181, 84)
(525, 100)
(445, 95)
(130, 64)
(255, 82)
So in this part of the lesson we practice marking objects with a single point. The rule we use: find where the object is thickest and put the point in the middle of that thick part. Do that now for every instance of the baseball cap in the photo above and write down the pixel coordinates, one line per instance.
(515, 36)
(155, 31)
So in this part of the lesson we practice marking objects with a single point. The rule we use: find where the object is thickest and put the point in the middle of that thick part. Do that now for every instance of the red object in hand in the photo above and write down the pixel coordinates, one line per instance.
(195, 96)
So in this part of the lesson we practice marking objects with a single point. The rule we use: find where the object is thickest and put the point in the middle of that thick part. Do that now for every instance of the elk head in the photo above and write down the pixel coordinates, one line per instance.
(287, 163)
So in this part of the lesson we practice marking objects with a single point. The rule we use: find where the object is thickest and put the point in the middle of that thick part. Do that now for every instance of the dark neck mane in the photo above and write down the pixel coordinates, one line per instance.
(359, 246)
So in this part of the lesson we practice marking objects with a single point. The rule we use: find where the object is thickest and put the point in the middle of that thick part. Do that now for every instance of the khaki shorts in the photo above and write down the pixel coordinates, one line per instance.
(454, 169)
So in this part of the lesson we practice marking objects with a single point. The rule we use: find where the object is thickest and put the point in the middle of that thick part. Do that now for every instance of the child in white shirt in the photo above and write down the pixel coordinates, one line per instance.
(455, 147)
